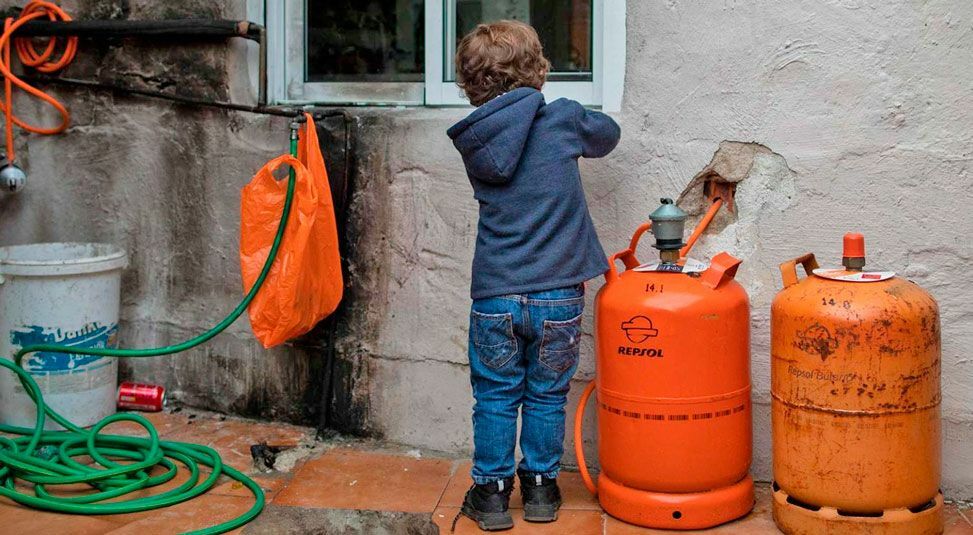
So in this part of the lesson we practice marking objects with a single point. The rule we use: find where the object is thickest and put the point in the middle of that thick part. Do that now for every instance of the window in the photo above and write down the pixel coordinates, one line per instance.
(352, 40)
(564, 27)
(401, 51)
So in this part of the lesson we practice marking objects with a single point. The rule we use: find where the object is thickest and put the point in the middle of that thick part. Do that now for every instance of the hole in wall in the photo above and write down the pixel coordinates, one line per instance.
(753, 181)
(731, 164)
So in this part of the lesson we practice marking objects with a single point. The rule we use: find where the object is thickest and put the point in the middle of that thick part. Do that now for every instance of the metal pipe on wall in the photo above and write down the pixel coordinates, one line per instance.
(160, 30)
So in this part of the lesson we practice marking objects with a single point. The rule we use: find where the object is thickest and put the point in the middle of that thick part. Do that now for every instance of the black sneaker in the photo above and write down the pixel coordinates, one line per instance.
(487, 505)
(542, 497)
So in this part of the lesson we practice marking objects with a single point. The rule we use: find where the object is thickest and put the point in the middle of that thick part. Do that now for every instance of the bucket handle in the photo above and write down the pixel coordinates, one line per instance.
(578, 449)
(788, 270)
(627, 256)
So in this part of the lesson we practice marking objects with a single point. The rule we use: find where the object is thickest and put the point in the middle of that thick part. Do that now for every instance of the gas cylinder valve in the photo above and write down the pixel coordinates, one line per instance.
(668, 225)
(853, 257)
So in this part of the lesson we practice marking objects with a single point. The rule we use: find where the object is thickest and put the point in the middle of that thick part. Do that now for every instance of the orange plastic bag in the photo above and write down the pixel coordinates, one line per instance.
(304, 285)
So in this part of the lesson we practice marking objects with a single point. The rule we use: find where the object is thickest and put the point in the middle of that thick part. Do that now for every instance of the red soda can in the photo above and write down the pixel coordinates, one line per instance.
(141, 397)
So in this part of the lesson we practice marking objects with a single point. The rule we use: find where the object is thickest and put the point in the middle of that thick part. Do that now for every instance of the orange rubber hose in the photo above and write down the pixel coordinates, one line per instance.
(703, 223)
(38, 60)
(578, 445)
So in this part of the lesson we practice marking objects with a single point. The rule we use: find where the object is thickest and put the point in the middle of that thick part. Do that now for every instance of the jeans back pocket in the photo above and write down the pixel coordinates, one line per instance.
(493, 338)
(561, 344)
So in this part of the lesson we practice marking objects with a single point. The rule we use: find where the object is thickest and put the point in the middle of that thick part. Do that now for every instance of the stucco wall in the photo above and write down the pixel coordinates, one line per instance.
(865, 107)
(163, 180)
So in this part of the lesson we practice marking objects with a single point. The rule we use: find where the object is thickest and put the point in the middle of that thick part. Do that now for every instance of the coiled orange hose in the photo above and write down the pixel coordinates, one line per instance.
(39, 60)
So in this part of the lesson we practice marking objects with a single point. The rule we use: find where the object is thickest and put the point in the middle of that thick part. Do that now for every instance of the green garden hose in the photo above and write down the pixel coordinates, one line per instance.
(48, 458)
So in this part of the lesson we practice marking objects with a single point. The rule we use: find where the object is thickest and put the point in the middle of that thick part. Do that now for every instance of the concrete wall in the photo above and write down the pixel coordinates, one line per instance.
(163, 180)
(865, 111)
(862, 110)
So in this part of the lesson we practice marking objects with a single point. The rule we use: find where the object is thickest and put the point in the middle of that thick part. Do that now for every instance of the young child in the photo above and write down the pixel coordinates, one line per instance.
(535, 248)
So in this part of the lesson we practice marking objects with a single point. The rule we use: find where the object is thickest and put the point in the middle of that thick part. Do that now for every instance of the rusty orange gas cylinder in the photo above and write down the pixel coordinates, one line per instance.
(855, 411)
(673, 387)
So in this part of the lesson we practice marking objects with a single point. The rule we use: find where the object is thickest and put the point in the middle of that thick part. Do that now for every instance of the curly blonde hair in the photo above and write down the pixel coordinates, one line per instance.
(498, 57)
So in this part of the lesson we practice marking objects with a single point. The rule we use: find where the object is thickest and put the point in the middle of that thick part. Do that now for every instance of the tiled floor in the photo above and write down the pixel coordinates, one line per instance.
(351, 487)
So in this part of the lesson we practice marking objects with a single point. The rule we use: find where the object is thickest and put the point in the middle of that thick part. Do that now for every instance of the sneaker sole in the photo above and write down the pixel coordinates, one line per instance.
(490, 521)
(540, 514)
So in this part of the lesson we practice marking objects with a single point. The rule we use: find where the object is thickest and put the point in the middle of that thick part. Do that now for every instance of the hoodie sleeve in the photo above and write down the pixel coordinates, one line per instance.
(599, 133)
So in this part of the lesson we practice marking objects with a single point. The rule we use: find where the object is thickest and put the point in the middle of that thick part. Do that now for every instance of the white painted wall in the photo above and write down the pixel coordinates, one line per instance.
(870, 105)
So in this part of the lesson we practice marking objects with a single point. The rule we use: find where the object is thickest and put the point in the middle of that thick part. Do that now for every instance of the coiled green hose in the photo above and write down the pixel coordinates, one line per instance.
(47, 458)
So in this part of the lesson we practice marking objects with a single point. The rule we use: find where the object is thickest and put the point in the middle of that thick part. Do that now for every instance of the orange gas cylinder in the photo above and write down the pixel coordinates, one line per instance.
(673, 387)
(855, 410)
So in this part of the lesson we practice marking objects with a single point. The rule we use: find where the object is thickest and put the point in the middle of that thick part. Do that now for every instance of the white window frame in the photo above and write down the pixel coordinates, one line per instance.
(285, 23)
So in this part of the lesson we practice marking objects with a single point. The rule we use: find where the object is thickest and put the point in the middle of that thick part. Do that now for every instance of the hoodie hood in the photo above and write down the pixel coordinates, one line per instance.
(492, 138)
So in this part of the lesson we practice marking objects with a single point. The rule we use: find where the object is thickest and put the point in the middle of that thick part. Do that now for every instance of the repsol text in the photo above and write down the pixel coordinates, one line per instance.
(651, 352)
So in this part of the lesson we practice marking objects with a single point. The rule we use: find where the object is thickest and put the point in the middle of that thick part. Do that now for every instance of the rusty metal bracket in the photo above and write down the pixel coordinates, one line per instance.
(717, 189)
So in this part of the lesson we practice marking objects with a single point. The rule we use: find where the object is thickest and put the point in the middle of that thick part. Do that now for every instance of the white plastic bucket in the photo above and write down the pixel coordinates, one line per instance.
(66, 294)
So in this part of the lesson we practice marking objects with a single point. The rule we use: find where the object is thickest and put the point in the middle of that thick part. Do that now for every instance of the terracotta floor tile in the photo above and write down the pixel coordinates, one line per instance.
(349, 479)
(182, 475)
(745, 526)
(224, 487)
(19, 519)
(232, 438)
(164, 422)
(573, 491)
(958, 522)
(205, 424)
(458, 484)
(270, 485)
(353, 479)
(576, 522)
(199, 513)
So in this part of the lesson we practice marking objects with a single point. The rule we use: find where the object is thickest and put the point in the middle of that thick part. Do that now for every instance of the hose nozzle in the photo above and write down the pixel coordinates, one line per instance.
(13, 179)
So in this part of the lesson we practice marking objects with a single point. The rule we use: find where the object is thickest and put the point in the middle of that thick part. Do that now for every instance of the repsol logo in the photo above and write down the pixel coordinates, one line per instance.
(640, 351)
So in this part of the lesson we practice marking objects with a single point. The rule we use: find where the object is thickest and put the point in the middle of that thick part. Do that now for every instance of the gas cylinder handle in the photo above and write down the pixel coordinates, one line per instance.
(722, 268)
(627, 256)
(612, 272)
(634, 243)
(578, 443)
(788, 270)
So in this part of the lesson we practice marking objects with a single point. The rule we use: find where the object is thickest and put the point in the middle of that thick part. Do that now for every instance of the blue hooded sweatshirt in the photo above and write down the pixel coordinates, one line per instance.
(521, 156)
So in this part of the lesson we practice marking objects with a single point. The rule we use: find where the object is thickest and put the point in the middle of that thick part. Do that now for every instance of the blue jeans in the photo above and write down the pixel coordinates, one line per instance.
(523, 353)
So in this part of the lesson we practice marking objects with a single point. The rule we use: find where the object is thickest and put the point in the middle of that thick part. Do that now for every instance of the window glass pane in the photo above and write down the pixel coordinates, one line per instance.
(364, 40)
(564, 27)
